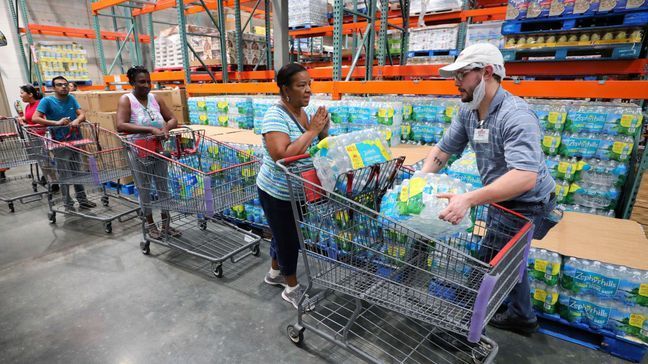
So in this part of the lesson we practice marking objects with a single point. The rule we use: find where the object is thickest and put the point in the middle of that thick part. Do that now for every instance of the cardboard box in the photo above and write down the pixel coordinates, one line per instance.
(178, 97)
(104, 101)
(181, 114)
(107, 120)
(608, 240)
(82, 98)
(165, 95)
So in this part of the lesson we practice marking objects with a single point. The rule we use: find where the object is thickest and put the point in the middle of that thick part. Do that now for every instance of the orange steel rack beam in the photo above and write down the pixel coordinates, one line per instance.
(544, 89)
(56, 31)
(575, 68)
(496, 13)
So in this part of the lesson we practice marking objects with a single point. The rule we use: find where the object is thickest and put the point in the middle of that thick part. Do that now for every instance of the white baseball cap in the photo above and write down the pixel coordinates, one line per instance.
(480, 53)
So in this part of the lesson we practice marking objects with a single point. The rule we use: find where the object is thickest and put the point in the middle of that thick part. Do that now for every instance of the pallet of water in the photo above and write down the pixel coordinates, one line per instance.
(600, 296)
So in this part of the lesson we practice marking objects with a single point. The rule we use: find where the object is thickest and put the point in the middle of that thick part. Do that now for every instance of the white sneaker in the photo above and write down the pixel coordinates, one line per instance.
(276, 281)
(294, 296)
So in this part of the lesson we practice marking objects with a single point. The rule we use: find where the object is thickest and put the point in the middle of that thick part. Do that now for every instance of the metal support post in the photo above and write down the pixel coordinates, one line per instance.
(30, 40)
(21, 45)
(463, 28)
(371, 40)
(405, 8)
(354, 44)
(280, 28)
(238, 35)
(223, 40)
(338, 10)
(382, 36)
(151, 32)
(117, 42)
(182, 31)
(136, 40)
(268, 49)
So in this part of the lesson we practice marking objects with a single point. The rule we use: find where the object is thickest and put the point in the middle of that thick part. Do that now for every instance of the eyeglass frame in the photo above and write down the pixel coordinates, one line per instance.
(57, 84)
(459, 76)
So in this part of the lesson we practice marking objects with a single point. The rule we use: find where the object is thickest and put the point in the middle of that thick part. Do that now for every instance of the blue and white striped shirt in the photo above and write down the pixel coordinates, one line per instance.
(271, 178)
(513, 143)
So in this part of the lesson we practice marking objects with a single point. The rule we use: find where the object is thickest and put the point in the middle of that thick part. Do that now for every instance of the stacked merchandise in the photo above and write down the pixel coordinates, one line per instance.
(233, 111)
(432, 44)
(603, 297)
(425, 119)
(211, 110)
(584, 29)
(168, 48)
(62, 59)
(308, 13)
(425, 6)
(260, 105)
(588, 146)
(355, 114)
(486, 32)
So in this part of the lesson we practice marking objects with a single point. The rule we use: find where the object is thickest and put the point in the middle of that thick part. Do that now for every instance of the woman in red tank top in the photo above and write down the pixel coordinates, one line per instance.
(31, 96)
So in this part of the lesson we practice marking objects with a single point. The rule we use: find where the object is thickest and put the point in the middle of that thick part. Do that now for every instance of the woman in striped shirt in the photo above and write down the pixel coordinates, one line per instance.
(289, 128)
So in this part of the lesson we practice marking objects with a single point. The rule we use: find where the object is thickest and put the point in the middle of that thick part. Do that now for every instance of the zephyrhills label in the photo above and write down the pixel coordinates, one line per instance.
(603, 285)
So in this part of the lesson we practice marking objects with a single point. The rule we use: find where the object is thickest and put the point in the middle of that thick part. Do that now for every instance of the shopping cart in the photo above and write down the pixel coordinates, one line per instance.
(13, 153)
(194, 179)
(454, 284)
(86, 157)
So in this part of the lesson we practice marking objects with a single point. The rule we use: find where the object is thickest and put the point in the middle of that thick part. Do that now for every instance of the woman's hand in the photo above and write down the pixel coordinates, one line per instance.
(160, 133)
(319, 121)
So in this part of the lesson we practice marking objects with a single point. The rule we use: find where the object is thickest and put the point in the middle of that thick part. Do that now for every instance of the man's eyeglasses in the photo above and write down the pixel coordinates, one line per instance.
(459, 76)
(61, 84)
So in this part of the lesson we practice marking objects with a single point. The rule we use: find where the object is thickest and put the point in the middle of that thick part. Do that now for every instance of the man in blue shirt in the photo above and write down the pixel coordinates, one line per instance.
(505, 135)
(60, 113)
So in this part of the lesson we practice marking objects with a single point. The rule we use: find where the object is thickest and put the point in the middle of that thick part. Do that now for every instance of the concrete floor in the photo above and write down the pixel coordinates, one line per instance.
(72, 294)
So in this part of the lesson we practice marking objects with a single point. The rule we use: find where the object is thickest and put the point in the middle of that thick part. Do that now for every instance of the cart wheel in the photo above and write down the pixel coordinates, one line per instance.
(295, 335)
(43, 181)
(202, 224)
(218, 271)
(52, 217)
(108, 228)
(11, 207)
(34, 187)
(256, 251)
(145, 246)
(104, 200)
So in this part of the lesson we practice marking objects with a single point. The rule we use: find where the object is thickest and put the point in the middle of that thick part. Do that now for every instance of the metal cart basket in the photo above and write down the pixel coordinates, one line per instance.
(13, 153)
(86, 157)
(193, 179)
(454, 284)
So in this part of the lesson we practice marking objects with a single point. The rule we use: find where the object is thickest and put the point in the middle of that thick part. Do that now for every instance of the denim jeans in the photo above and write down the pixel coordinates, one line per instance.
(519, 301)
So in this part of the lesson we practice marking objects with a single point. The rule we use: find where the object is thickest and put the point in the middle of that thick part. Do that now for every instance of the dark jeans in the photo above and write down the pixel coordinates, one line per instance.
(284, 246)
(68, 164)
(519, 301)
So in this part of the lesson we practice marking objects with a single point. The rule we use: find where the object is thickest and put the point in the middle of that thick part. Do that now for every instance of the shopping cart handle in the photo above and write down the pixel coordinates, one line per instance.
(293, 159)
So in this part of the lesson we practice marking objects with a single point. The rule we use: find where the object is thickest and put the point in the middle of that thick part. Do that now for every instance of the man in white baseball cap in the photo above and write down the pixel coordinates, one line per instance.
(505, 135)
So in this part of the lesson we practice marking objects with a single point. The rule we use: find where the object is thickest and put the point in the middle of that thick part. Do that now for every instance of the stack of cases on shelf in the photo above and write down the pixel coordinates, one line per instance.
(588, 146)
(567, 29)
(432, 44)
(418, 7)
(425, 119)
(486, 32)
(600, 296)
(63, 59)
(232, 111)
(168, 48)
(307, 13)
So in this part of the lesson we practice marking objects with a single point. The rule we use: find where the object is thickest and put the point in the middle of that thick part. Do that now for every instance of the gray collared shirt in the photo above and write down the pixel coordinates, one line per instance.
(513, 143)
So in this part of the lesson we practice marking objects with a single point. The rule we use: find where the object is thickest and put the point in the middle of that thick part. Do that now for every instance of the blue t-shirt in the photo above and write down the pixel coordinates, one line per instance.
(56, 109)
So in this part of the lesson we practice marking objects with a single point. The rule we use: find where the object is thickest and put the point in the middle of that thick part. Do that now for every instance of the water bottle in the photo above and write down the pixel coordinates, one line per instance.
(551, 142)
(551, 299)
(552, 272)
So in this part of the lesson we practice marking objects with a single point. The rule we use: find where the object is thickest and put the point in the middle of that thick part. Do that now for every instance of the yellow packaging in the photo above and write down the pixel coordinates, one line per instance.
(572, 40)
(540, 42)
(562, 40)
(584, 39)
(636, 36)
(551, 41)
